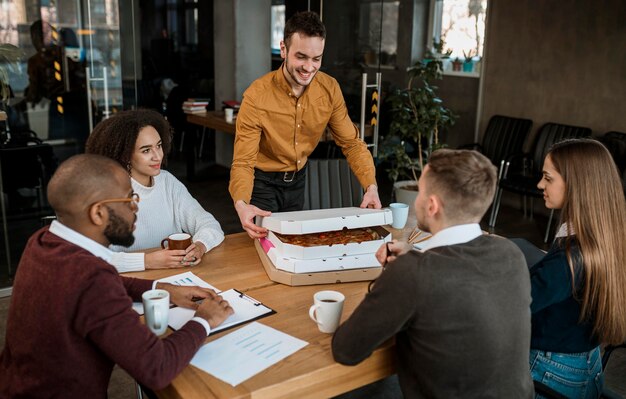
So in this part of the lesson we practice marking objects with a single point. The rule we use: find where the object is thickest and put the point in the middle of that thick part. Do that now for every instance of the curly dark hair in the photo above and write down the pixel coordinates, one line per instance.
(116, 136)
(306, 23)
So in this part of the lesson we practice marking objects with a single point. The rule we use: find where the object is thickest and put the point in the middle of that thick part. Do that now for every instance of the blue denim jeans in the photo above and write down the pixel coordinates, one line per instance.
(574, 375)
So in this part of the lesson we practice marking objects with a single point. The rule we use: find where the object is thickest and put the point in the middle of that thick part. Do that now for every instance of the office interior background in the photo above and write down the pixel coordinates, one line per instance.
(547, 61)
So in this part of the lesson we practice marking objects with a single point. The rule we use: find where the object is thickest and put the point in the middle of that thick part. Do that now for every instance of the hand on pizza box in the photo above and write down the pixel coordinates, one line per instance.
(247, 213)
(371, 198)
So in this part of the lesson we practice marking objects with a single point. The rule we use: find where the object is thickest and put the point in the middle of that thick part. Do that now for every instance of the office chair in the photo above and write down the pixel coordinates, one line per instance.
(331, 184)
(527, 168)
(504, 136)
(24, 166)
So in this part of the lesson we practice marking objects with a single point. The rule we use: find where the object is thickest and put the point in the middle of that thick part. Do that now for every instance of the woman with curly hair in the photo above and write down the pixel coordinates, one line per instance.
(139, 141)
(579, 300)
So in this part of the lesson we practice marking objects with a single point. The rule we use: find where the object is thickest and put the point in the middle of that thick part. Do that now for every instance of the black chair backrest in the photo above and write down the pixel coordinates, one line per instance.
(552, 133)
(504, 137)
(27, 167)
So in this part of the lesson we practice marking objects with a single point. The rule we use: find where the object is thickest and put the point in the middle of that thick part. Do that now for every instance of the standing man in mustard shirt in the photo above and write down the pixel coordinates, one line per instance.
(282, 118)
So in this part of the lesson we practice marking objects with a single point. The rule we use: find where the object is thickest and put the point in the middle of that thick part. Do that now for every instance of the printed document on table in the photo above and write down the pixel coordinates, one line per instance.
(246, 352)
(245, 309)
(185, 279)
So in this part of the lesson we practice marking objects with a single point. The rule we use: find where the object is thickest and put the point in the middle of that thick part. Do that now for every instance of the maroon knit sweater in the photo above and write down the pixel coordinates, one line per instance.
(70, 320)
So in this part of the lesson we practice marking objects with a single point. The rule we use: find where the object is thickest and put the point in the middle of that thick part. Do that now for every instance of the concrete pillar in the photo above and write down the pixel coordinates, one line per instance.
(242, 54)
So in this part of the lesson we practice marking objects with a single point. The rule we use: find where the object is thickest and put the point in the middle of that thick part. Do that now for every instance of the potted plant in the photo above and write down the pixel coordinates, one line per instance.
(468, 64)
(417, 116)
(457, 65)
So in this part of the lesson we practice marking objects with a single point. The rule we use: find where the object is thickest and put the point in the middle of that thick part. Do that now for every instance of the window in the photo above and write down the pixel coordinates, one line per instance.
(378, 32)
(278, 27)
(458, 26)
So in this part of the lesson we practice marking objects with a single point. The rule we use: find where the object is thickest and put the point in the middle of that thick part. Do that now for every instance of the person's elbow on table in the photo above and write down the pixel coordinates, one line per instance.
(345, 352)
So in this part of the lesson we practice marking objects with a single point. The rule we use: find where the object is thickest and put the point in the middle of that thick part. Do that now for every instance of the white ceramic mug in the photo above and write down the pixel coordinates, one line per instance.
(156, 306)
(326, 310)
(400, 213)
(228, 114)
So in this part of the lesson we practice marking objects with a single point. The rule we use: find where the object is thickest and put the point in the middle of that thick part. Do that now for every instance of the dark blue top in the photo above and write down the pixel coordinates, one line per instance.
(555, 310)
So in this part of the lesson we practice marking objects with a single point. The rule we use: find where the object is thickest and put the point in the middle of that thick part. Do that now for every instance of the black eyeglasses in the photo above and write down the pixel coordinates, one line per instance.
(134, 198)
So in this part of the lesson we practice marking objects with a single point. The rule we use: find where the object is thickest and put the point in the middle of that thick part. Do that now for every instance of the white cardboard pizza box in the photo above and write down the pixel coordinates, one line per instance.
(318, 220)
(334, 263)
(329, 277)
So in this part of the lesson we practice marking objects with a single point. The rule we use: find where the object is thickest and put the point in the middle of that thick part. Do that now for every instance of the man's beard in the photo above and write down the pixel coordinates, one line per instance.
(294, 75)
(118, 232)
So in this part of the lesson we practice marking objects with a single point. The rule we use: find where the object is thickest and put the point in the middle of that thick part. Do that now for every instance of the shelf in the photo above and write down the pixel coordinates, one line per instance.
(462, 74)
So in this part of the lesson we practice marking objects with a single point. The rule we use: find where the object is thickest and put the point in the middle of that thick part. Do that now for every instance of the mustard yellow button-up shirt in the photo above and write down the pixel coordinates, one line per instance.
(277, 131)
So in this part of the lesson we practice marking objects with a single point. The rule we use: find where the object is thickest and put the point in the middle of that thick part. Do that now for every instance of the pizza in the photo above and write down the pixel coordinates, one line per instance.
(345, 236)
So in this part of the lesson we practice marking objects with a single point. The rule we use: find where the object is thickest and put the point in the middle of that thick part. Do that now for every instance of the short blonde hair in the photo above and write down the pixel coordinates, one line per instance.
(465, 180)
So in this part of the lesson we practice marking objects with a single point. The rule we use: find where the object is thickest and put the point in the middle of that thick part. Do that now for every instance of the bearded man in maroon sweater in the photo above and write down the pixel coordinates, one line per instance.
(70, 318)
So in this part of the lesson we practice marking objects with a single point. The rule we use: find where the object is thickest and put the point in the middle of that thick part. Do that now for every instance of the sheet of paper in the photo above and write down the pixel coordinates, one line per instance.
(185, 279)
(245, 309)
(246, 352)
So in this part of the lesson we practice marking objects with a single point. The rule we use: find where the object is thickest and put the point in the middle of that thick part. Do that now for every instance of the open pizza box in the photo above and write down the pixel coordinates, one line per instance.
(330, 277)
(338, 251)
(327, 220)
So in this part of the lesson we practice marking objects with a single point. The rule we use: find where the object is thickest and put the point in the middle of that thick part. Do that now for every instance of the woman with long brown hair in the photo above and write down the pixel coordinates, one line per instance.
(578, 288)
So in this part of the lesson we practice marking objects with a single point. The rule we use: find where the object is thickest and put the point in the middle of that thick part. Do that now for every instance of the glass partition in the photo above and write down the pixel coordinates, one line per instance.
(67, 78)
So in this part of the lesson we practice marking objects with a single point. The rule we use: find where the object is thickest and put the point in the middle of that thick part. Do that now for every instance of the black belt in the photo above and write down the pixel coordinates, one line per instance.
(287, 177)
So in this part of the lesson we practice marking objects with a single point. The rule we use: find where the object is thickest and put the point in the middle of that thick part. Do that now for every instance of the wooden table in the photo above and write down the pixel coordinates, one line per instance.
(309, 373)
(212, 120)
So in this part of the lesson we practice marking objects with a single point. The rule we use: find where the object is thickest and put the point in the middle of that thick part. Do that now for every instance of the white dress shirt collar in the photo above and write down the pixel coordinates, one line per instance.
(60, 230)
(459, 234)
(564, 231)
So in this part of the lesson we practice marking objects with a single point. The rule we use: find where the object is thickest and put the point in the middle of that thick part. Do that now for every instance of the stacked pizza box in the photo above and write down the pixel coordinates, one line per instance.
(298, 242)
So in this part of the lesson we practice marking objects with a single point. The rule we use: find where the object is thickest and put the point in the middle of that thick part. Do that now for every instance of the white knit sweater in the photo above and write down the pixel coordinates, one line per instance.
(165, 208)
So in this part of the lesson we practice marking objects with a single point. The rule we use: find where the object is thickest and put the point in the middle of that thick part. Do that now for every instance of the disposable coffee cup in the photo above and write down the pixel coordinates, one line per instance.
(156, 307)
(326, 310)
(400, 213)
(176, 241)
(228, 115)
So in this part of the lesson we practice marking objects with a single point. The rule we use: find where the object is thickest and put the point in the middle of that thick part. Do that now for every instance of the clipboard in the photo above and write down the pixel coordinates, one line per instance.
(246, 309)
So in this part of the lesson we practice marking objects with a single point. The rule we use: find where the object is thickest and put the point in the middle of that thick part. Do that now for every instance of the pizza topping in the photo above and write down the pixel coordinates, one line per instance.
(345, 236)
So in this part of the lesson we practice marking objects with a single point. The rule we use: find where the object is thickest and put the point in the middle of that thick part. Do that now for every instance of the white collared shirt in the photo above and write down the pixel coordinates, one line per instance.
(100, 251)
(563, 231)
(459, 234)
(86, 243)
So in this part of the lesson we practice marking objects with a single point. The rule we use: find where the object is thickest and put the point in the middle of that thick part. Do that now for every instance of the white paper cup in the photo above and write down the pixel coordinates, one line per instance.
(228, 115)
(156, 306)
(326, 310)
(400, 213)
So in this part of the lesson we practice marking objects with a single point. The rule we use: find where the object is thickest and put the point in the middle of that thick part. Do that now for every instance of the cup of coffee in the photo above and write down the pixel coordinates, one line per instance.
(156, 306)
(176, 241)
(400, 213)
(326, 310)
(228, 114)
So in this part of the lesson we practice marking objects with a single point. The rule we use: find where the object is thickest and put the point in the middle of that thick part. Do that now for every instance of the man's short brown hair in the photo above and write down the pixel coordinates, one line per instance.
(306, 23)
(464, 180)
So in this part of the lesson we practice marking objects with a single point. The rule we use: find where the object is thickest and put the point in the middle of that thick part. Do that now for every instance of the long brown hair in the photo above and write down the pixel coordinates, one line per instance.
(595, 211)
